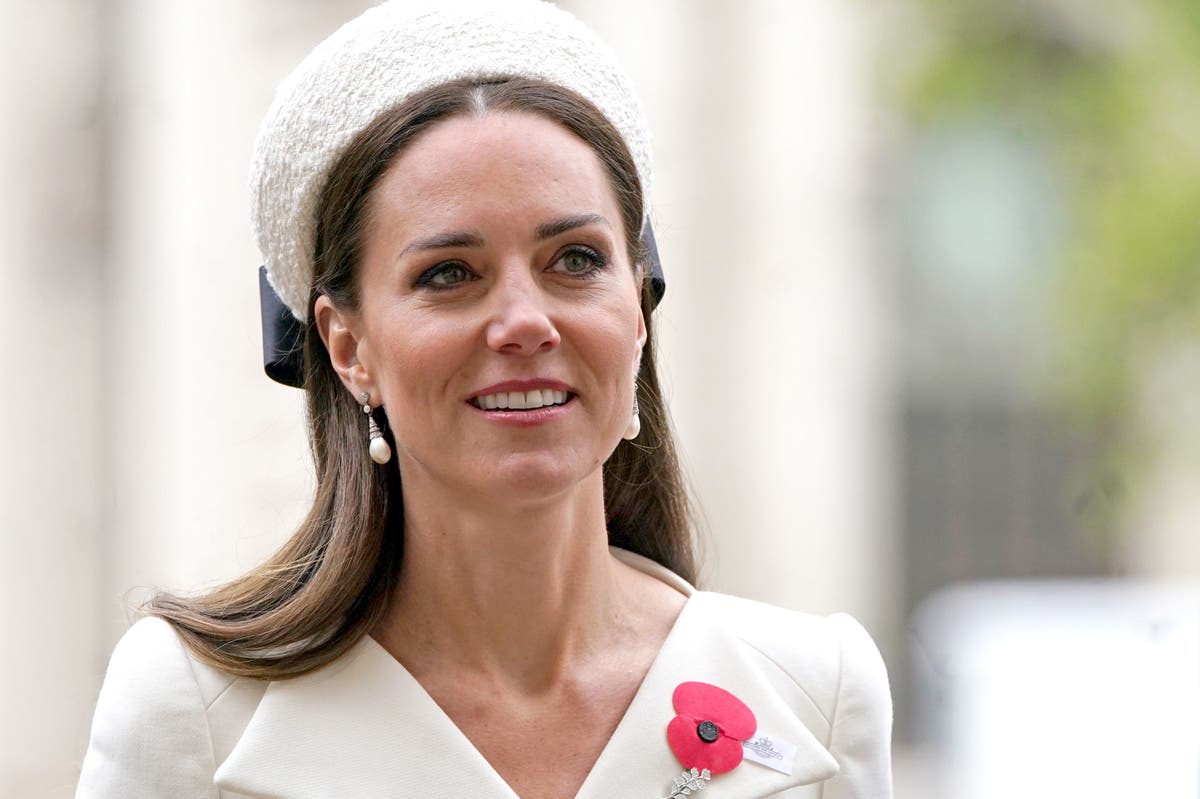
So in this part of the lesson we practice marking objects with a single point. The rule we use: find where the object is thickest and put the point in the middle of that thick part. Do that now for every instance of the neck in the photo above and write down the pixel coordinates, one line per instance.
(516, 594)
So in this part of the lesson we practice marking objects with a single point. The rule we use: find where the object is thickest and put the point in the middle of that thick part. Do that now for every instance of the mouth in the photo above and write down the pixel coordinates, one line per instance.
(519, 401)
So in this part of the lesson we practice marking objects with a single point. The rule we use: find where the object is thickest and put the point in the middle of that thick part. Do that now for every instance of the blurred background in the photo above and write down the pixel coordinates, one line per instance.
(931, 341)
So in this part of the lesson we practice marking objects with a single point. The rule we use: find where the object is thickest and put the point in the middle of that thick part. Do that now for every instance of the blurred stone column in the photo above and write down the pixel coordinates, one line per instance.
(1160, 540)
(51, 406)
(208, 465)
(154, 452)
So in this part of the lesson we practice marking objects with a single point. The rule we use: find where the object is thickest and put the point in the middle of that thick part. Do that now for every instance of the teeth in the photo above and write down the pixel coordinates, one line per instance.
(521, 400)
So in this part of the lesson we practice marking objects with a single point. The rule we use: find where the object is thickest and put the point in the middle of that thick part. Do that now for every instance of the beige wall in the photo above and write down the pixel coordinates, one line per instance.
(147, 449)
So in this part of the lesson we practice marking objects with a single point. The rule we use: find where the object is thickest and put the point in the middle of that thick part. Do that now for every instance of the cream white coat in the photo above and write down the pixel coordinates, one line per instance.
(170, 727)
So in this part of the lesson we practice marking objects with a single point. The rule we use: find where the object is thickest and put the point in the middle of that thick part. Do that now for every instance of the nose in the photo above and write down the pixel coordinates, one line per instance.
(519, 322)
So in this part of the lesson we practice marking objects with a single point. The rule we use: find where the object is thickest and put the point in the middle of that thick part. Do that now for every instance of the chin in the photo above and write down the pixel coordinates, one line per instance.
(530, 478)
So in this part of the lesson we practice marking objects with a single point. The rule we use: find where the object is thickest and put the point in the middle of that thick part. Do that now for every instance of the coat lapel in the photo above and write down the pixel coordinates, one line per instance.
(360, 727)
(364, 727)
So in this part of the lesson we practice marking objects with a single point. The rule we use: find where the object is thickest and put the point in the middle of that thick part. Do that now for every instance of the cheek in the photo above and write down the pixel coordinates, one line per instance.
(409, 365)
(612, 337)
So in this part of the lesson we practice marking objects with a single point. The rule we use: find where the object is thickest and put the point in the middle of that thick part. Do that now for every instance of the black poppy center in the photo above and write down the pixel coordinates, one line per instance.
(707, 731)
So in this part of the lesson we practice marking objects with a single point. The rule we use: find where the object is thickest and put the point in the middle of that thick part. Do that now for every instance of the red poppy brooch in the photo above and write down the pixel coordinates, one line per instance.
(706, 734)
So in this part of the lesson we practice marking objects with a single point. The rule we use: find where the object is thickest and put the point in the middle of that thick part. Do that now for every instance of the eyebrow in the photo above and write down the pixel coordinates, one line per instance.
(470, 238)
(549, 230)
(444, 241)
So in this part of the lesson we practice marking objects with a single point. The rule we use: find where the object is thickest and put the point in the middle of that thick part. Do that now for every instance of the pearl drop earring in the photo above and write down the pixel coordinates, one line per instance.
(380, 452)
(635, 421)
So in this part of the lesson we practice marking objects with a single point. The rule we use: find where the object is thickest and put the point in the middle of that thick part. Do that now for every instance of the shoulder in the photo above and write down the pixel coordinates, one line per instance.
(150, 672)
(149, 640)
(151, 733)
(814, 650)
(832, 662)
(151, 662)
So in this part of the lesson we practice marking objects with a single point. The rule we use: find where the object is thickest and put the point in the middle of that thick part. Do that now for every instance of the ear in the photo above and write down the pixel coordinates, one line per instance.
(641, 334)
(340, 332)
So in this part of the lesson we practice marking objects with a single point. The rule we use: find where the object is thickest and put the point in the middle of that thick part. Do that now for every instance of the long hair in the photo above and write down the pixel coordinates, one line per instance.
(331, 582)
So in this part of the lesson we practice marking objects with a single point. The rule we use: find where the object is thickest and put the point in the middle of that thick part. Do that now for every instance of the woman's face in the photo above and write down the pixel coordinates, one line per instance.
(495, 273)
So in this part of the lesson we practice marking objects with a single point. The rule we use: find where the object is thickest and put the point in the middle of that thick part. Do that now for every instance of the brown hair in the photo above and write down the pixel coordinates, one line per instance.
(331, 582)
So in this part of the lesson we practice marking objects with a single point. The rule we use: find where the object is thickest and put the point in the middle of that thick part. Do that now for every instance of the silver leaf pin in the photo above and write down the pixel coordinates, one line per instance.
(689, 782)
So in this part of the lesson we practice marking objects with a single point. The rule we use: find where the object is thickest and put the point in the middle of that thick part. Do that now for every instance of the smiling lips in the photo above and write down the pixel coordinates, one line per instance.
(515, 399)
(521, 400)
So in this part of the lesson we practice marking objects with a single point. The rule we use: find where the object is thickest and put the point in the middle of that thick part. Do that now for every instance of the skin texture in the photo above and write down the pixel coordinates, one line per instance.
(511, 612)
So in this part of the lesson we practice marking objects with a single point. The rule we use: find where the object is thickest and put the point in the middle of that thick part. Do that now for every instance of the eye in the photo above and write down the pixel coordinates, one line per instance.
(445, 275)
(580, 262)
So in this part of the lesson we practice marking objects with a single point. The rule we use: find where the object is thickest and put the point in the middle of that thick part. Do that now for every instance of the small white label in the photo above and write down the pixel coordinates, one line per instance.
(769, 751)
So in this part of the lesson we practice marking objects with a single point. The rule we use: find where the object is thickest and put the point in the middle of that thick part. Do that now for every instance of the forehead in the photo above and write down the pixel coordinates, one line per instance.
(499, 164)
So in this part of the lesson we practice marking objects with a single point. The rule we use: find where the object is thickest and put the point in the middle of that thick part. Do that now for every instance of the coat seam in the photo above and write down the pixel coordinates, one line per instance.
(817, 705)
(212, 755)
(216, 698)
(837, 699)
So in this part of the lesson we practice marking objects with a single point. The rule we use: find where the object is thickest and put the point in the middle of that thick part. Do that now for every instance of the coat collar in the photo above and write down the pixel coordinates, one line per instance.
(363, 726)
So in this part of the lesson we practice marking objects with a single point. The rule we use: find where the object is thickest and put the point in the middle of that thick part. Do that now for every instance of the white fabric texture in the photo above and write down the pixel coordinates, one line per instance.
(372, 64)
(169, 726)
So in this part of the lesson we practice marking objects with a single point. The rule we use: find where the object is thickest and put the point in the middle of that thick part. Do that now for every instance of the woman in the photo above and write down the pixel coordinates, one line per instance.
(491, 595)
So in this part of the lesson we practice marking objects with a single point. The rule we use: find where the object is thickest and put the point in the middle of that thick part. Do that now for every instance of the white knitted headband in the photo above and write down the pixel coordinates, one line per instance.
(375, 62)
